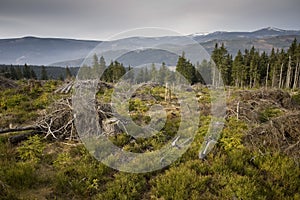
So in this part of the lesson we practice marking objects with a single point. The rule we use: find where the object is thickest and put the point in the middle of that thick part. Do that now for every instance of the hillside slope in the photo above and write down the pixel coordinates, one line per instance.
(62, 52)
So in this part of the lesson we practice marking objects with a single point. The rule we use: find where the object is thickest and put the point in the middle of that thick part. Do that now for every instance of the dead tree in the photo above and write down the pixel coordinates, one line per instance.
(288, 75)
(296, 77)
(280, 76)
(267, 76)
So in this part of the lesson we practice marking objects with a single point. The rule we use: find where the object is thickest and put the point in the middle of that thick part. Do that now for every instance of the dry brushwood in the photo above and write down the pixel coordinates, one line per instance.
(6, 83)
(280, 134)
(58, 123)
(247, 105)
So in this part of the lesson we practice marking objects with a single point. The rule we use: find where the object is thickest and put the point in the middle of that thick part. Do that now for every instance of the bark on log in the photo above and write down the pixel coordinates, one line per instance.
(28, 128)
(19, 138)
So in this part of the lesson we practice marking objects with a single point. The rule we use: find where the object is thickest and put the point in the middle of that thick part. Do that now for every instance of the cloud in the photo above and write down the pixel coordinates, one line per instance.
(101, 18)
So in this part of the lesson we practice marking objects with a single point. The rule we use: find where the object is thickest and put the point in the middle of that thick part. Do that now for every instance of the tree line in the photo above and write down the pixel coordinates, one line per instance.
(19, 72)
(250, 68)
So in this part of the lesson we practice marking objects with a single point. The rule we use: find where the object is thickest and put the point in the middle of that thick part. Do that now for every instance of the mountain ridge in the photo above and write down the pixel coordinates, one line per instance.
(64, 51)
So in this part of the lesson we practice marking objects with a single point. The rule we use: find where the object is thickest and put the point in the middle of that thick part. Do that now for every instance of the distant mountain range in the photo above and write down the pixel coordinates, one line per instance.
(70, 52)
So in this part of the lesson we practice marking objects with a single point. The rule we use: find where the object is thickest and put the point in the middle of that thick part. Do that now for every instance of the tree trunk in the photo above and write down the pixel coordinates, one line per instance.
(19, 138)
(267, 77)
(280, 78)
(296, 77)
(214, 76)
(288, 75)
(11, 130)
(167, 93)
(273, 76)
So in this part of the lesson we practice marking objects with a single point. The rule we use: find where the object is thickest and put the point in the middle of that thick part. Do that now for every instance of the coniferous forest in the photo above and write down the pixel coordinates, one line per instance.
(256, 156)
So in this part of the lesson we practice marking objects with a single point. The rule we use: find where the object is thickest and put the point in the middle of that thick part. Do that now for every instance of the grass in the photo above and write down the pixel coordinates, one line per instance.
(41, 169)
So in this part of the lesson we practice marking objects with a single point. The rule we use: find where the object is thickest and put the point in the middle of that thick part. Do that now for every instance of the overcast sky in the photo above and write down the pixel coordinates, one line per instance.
(99, 19)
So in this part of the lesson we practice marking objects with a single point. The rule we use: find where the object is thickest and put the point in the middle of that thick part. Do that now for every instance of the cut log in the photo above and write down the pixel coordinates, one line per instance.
(11, 130)
(19, 138)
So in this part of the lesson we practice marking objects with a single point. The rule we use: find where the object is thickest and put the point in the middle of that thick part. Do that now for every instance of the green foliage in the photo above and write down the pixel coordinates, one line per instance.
(223, 61)
(205, 70)
(15, 100)
(254, 69)
(158, 93)
(231, 171)
(282, 174)
(162, 73)
(125, 186)
(120, 139)
(269, 113)
(296, 97)
(44, 74)
(21, 175)
(20, 104)
(232, 134)
(63, 160)
(79, 173)
(177, 183)
(138, 105)
(138, 109)
(114, 72)
(32, 149)
(104, 95)
(186, 69)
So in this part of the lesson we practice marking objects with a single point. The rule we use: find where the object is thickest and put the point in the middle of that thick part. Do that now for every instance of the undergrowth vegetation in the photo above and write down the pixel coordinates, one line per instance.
(42, 169)
(21, 105)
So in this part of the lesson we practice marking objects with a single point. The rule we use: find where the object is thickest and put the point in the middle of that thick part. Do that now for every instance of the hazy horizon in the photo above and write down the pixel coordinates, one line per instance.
(91, 39)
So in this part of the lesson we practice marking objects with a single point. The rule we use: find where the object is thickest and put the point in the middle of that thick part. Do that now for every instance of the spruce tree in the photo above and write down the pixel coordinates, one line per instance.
(98, 67)
(205, 70)
(114, 72)
(68, 73)
(26, 72)
(44, 75)
(222, 59)
(32, 74)
(162, 72)
(146, 75)
(186, 69)
(13, 74)
(19, 73)
(238, 70)
(153, 73)
(102, 66)
(140, 76)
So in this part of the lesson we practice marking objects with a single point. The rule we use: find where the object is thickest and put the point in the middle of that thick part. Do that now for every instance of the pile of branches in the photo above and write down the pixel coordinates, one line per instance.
(6, 83)
(59, 123)
(247, 105)
(280, 134)
(56, 123)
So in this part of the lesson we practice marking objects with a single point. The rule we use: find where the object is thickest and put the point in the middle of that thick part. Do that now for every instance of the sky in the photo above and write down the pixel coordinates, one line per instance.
(100, 19)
